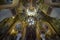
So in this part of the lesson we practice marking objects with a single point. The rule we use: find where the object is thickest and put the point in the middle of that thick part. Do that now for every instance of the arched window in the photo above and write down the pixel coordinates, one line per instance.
(8, 1)
(18, 27)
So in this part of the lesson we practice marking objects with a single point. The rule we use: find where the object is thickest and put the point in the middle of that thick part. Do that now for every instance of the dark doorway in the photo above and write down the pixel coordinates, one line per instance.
(31, 33)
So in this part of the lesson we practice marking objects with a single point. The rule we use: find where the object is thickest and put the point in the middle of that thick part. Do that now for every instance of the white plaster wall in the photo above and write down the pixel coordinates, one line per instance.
(5, 13)
(55, 13)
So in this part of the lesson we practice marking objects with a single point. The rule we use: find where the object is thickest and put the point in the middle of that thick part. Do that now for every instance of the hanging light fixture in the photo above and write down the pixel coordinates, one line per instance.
(31, 21)
(31, 13)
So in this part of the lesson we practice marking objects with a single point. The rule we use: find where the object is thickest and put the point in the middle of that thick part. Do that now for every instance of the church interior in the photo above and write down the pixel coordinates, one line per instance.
(29, 19)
